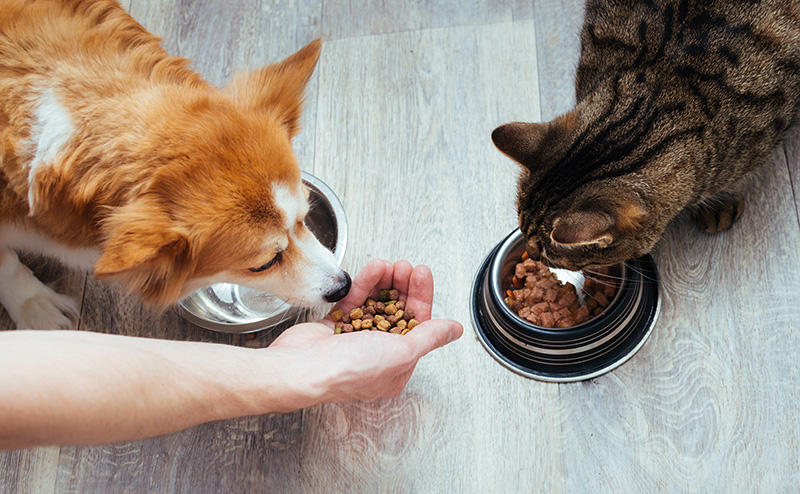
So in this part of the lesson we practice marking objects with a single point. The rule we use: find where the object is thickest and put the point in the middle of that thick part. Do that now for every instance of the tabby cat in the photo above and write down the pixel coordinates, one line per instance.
(677, 101)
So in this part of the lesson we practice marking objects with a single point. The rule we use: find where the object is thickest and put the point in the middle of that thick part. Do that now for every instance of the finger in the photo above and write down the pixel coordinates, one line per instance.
(385, 281)
(433, 334)
(402, 273)
(364, 283)
(420, 292)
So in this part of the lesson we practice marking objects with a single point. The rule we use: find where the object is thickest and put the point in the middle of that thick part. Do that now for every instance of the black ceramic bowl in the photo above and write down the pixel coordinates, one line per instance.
(570, 354)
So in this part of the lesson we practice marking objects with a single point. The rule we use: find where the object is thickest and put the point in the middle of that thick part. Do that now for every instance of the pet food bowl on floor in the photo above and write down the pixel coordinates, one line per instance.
(232, 308)
(570, 354)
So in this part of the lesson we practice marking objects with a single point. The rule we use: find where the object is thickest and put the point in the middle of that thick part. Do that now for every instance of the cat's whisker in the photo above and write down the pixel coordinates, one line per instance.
(644, 275)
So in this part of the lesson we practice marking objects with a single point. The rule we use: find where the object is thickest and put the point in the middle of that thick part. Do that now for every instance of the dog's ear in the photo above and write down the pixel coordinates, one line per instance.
(278, 88)
(147, 258)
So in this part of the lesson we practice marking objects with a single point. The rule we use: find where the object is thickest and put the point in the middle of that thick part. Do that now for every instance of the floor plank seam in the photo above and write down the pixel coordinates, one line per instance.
(83, 300)
(791, 183)
(328, 38)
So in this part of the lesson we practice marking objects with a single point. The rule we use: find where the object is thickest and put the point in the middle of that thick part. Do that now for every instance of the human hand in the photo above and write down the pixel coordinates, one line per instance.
(365, 365)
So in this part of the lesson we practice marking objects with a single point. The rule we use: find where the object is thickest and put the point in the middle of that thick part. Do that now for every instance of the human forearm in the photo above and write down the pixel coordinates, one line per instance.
(88, 388)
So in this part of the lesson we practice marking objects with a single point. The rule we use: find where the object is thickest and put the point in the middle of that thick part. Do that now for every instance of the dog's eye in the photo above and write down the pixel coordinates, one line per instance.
(268, 265)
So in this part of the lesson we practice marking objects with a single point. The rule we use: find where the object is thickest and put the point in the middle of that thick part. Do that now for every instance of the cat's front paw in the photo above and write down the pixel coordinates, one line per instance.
(720, 213)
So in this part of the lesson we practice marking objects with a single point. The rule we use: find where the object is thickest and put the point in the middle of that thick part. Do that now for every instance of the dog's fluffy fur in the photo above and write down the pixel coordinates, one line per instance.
(115, 156)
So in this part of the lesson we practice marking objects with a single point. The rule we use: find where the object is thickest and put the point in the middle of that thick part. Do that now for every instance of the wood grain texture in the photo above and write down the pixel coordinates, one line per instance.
(397, 123)
(346, 18)
(558, 27)
(412, 160)
(29, 471)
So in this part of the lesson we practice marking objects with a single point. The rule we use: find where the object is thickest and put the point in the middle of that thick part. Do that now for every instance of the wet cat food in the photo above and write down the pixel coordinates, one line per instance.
(387, 314)
(542, 299)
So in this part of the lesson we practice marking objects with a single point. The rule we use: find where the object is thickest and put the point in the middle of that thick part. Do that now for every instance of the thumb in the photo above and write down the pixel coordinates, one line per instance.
(434, 334)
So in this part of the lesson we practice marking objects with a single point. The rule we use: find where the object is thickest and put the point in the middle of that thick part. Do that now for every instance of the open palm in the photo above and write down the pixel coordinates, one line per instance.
(369, 365)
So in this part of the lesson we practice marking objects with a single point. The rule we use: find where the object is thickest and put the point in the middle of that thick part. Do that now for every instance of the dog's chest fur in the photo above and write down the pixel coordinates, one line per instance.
(76, 80)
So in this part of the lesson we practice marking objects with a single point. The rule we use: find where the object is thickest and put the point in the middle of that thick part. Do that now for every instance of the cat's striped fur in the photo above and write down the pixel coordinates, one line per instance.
(677, 101)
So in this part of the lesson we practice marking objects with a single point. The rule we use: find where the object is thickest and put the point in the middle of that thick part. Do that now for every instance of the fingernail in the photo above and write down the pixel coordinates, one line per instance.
(453, 334)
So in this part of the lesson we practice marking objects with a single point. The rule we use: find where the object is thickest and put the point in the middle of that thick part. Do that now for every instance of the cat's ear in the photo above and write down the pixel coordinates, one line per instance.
(600, 228)
(525, 142)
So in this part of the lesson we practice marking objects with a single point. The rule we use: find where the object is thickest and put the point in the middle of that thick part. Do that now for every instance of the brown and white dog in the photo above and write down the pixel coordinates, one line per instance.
(116, 157)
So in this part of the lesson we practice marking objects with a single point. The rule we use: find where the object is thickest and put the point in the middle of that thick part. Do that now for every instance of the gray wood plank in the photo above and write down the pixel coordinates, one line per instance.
(254, 454)
(345, 18)
(403, 136)
(29, 471)
(558, 26)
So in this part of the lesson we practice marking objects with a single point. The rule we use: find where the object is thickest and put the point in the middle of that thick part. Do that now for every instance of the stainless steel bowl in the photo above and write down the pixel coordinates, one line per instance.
(232, 308)
(570, 354)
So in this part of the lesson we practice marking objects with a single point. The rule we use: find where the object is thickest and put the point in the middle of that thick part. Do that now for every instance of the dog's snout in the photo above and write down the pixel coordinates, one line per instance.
(340, 292)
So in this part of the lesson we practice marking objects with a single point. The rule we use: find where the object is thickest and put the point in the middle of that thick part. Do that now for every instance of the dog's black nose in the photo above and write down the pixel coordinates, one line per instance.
(341, 292)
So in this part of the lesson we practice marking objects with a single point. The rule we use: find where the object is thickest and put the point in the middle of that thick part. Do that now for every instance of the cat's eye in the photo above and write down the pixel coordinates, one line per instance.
(268, 265)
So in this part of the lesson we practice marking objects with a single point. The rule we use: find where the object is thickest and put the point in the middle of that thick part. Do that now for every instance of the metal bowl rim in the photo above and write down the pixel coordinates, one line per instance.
(520, 370)
(495, 284)
(339, 215)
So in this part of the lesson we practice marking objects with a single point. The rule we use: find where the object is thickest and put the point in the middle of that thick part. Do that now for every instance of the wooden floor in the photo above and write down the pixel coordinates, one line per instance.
(398, 122)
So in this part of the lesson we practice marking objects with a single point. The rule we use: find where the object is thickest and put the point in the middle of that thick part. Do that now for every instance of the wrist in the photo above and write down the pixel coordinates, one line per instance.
(285, 380)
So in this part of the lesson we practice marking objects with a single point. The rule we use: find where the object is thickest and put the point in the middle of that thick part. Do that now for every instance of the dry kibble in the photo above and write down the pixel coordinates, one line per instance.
(337, 315)
(386, 314)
